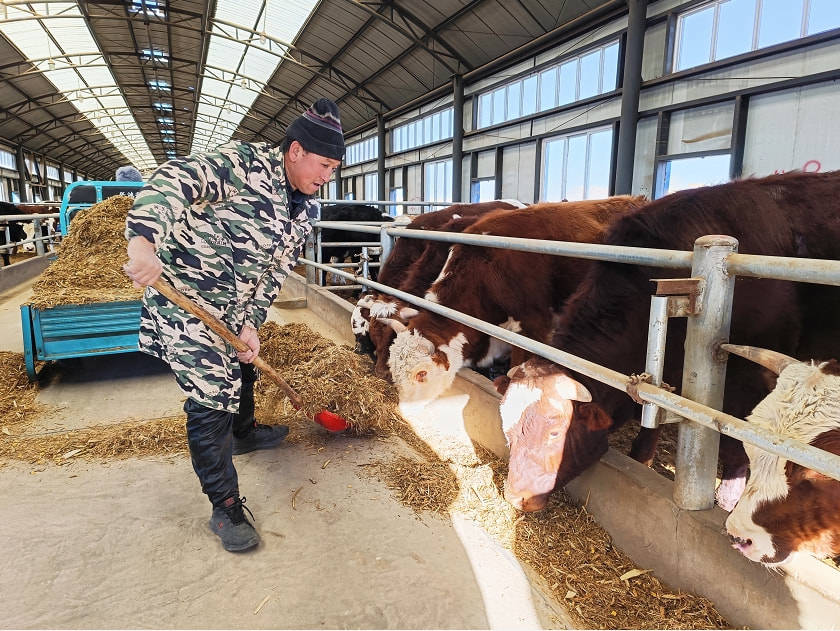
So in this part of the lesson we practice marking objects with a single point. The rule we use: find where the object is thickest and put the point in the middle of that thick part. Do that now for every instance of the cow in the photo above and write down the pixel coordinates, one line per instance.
(554, 437)
(411, 267)
(16, 231)
(346, 254)
(787, 508)
(519, 291)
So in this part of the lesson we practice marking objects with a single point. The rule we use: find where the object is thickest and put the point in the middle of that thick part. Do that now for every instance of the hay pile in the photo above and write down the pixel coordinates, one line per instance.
(563, 545)
(325, 376)
(17, 394)
(89, 264)
(103, 442)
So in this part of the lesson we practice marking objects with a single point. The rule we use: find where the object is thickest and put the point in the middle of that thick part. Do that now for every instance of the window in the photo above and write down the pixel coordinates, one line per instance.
(483, 190)
(331, 189)
(438, 181)
(167, 132)
(8, 160)
(371, 189)
(163, 107)
(396, 195)
(154, 54)
(424, 131)
(68, 177)
(577, 166)
(683, 173)
(724, 28)
(156, 8)
(52, 172)
(362, 151)
(160, 85)
(164, 120)
(579, 77)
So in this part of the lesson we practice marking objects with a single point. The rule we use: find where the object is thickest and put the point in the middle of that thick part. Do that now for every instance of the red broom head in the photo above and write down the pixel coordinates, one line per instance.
(330, 421)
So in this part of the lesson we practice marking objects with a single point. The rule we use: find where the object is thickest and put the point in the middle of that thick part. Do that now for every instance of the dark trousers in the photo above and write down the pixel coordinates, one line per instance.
(210, 437)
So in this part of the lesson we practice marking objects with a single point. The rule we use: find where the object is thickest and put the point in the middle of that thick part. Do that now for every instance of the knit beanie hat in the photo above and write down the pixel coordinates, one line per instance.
(318, 130)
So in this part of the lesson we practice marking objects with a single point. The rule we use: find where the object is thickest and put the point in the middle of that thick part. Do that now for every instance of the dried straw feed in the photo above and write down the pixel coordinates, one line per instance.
(326, 376)
(89, 264)
(17, 395)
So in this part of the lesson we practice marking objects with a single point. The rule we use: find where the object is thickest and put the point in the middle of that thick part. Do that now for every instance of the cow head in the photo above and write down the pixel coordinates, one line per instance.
(552, 430)
(787, 508)
(421, 369)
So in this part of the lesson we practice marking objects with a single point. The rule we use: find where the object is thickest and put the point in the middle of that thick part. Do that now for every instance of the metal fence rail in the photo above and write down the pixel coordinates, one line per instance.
(37, 238)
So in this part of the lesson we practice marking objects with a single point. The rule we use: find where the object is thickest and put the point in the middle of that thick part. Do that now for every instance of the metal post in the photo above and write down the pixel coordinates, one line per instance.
(311, 272)
(319, 255)
(655, 362)
(704, 372)
(630, 89)
(457, 136)
(380, 159)
(36, 234)
(364, 259)
(387, 242)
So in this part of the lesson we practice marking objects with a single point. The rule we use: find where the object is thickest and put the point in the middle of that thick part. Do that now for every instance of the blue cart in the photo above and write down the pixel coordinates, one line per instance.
(100, 328)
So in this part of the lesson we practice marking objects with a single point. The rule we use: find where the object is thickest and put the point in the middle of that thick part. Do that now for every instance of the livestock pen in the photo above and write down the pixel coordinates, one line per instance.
(689, 501)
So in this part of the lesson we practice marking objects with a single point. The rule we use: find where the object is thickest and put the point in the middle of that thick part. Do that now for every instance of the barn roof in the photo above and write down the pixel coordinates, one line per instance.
(100, 84)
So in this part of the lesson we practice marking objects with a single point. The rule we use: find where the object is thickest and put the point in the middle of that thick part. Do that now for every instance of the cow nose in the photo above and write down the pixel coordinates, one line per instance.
(739, 543)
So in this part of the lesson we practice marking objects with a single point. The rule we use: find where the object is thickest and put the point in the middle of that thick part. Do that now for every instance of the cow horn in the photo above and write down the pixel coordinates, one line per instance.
(772, 360)
(398, 326)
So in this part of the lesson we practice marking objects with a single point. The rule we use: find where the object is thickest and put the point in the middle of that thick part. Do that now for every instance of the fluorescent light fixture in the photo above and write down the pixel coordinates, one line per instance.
(165, 120)
(73, 63)
(164, 107)
(154, 54)
(238, 70)
(160, 85)
(156, 8)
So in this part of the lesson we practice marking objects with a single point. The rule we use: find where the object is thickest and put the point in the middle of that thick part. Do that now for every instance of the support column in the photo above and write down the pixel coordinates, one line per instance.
(630, 88)
(22, 178)
(380, 161)
(457, 137)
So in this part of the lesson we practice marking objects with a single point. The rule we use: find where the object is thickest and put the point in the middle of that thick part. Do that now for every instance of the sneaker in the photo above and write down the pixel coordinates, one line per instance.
(259, 437)
(234, 529)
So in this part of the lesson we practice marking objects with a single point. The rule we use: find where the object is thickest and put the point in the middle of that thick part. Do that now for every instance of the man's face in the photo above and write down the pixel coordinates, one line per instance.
(307, 171)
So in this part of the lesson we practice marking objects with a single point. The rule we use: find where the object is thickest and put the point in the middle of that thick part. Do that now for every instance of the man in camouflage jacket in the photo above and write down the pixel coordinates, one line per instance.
(226, 228)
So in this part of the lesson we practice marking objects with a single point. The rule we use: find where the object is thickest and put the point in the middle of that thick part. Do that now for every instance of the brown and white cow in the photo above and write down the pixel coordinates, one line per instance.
(412, 267)
(517, 290)
(554, 438)
(787, 508)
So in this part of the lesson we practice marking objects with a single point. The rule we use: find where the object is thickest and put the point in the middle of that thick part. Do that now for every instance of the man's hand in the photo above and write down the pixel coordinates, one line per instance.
(143, 267)
(250, 337)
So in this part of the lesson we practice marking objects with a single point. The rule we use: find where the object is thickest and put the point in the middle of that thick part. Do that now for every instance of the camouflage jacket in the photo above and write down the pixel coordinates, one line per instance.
(227, 236)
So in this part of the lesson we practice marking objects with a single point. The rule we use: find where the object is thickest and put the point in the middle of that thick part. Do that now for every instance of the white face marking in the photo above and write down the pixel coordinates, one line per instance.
(358, 323)
(519, 396)
(411, 353)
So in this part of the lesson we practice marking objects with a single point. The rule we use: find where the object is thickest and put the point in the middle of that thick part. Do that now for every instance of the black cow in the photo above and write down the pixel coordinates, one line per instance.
(16, 230)
(348, 212)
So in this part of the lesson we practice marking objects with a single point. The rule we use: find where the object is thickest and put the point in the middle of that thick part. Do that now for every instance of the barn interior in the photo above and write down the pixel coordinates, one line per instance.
(441, 102)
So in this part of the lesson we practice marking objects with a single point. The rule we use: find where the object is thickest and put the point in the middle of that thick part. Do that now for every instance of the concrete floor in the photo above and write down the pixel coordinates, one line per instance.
(125, 543)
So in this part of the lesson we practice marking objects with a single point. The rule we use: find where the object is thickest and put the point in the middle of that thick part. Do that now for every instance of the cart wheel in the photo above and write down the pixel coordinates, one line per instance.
(28, 341)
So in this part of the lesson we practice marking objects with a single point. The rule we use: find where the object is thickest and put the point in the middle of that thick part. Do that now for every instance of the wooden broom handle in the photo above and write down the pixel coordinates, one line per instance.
(216, 325)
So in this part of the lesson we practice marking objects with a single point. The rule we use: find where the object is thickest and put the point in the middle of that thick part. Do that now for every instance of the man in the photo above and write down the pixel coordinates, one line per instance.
(226, 228)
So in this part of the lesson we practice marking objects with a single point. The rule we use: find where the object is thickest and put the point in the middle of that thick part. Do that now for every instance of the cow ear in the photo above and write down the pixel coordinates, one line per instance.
(570, 389)
(407, 312)
(593, 417)
(501, 384)
(440, 357)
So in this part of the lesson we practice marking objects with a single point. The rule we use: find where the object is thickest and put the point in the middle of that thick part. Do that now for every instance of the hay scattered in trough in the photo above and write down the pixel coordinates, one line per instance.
(325, 376)
(17, 394)
(102, 442)
(573, 556)
(89, 264)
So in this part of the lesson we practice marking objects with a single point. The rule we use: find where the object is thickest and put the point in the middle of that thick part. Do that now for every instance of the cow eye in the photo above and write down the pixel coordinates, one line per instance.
(554, 434)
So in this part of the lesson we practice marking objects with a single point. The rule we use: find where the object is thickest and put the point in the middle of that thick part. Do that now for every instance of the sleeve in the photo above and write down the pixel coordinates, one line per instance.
(178, 184)
(271, 282)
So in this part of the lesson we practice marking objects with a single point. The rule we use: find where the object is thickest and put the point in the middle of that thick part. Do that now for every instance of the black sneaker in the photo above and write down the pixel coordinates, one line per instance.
(260, 437)
(234, 529)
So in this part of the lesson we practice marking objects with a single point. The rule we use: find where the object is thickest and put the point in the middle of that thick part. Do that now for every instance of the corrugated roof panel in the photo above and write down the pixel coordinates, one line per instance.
(47, 36)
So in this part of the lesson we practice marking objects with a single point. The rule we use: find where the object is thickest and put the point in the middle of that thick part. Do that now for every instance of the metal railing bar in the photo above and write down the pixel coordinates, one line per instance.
(820, 271)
